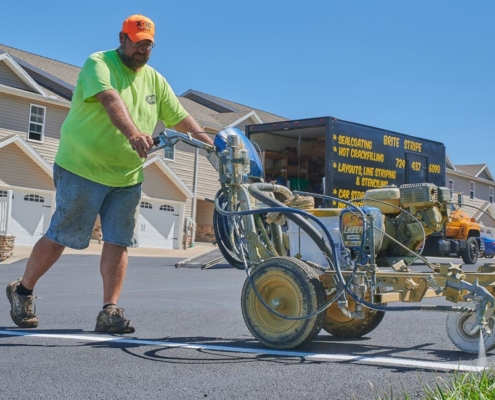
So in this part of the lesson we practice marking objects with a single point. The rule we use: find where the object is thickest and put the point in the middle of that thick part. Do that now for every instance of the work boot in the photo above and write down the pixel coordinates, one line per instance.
(22, 308)
(111, 319)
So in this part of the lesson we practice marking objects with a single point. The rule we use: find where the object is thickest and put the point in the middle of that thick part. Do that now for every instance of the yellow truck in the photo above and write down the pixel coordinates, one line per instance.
(461, 237)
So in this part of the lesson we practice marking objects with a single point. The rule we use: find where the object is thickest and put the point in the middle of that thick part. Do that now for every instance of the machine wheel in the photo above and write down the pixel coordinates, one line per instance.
(458, 326)
(470, 253)
(290, 287)
(339, 325)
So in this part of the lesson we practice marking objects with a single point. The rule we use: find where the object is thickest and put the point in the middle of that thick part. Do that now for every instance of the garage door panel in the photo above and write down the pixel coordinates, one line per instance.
(157, 228)
(159, 224)
(31, 214)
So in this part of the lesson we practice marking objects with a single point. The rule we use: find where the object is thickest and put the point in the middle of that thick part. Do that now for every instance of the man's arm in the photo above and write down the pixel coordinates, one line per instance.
(120, 117)
(189, 125)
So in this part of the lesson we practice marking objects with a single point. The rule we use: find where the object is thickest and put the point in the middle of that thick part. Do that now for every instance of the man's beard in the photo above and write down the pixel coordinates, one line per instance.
(131, 61)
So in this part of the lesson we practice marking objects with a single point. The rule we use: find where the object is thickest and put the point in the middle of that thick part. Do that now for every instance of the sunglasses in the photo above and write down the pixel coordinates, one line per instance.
(141, 46)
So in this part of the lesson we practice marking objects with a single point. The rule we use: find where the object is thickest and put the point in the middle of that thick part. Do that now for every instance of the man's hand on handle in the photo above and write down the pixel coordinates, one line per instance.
(141, 143)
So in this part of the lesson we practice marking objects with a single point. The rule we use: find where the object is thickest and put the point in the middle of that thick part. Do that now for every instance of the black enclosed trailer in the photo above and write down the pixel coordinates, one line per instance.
(344, 159)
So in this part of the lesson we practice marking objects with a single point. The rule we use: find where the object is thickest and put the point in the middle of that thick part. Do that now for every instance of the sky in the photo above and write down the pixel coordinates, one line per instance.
(423, 68)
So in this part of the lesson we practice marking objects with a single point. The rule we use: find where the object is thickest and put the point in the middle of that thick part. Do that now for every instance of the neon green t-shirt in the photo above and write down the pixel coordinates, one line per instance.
(90, 145)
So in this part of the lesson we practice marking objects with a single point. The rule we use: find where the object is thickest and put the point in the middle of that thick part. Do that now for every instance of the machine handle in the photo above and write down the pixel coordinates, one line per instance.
(169, 138)
(156, 140)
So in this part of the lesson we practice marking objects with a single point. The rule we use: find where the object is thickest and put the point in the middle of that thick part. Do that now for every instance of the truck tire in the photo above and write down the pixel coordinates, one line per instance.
(470, 253)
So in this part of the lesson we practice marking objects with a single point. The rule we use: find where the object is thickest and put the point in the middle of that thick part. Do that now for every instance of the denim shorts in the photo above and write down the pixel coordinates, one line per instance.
(78, 203)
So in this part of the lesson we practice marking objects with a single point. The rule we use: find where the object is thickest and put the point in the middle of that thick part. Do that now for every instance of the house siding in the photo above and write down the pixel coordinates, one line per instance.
(208, 184)
(9, 78)
(157, 185)
(17, 169)
(188, 208)
(463, 184)
(205, 213)
(204, 222)
(481, 200)
(14, 115)
(183, 166)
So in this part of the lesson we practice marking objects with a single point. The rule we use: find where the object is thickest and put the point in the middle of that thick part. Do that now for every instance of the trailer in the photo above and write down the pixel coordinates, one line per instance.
(344, 159)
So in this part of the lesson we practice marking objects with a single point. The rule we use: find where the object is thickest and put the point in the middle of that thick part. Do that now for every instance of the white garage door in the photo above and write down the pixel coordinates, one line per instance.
(31, 213)
(158, 225)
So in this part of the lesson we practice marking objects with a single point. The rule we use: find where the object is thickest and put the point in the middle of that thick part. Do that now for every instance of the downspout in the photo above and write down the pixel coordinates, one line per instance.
(194, 205)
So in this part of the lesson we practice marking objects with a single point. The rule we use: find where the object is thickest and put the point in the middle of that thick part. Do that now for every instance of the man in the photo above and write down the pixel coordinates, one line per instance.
(98, 168)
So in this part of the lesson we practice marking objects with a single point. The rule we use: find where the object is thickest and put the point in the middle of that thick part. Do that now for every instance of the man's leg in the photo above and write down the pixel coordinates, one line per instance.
(44, 254)
(113, 267)
(20, 293)
(118, 215)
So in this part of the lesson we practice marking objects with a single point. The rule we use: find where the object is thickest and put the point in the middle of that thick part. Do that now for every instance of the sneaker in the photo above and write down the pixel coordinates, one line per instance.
(22, 308)
(111, 319)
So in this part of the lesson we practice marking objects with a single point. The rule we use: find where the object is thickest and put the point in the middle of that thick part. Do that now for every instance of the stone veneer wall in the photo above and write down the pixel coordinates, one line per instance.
(96, 234)
(204, 233)
(6, 246)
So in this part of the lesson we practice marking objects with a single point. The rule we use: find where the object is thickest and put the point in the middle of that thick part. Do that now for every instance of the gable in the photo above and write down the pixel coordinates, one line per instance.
(158, 185)
(9, 62)
(484, 175)
(9, 78)
(18, 169)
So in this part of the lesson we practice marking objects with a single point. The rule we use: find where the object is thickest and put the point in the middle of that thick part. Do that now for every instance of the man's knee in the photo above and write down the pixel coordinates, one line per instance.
(50, 245)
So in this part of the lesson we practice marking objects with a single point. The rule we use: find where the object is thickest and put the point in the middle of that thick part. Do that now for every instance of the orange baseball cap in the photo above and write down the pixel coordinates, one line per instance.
(138, 27)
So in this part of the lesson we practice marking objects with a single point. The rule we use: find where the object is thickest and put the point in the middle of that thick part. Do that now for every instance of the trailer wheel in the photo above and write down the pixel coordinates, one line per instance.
(458, 330)
(339, 325)
(470, 253)
(291, 288)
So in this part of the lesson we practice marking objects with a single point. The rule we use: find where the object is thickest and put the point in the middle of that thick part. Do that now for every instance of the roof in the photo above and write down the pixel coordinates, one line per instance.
(66, 72)
(480, 171)
(226, 110)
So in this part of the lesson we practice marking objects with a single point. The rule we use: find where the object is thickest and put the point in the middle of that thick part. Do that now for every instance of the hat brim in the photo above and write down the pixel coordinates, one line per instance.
(137, 37)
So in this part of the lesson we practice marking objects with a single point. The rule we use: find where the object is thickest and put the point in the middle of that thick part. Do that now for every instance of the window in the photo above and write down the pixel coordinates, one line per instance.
(490, 194)
(5, 193)
(36, 123)
(34, 197)
(471, 190)
(165, 207)
(169, 153)
(145, 204)
(451, 187)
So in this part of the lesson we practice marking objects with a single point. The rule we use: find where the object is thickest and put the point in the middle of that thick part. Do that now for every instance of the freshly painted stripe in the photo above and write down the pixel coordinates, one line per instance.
(405, 362)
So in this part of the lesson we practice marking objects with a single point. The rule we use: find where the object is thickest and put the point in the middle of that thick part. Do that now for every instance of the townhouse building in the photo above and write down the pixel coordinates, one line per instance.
(35, 96)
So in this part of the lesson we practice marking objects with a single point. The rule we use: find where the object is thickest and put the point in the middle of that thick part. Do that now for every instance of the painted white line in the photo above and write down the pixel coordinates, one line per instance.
(403, 362)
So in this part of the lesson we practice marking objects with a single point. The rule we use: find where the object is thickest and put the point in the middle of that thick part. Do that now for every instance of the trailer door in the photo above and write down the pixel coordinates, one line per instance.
(416, 168)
